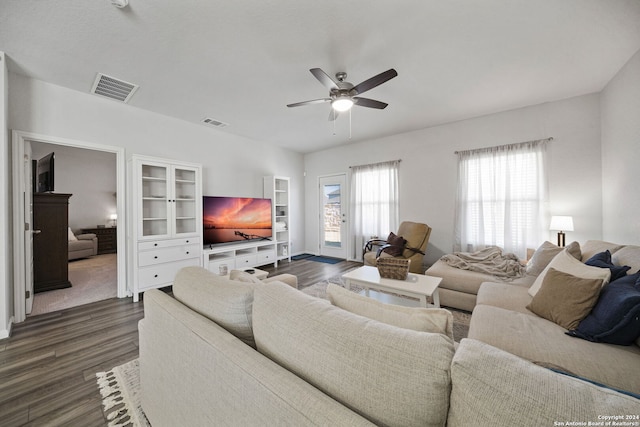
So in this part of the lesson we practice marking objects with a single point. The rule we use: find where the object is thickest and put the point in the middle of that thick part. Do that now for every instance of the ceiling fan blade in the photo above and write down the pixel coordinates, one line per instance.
(324, 78)
(313, 101)
(374, 81)
(371, 103)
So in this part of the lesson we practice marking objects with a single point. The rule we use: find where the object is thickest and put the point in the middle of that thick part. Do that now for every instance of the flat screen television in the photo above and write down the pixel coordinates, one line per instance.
(45, 168)
(235, 219)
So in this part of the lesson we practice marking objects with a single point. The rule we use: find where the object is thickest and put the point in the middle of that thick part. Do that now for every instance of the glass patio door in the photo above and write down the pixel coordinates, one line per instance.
(333, 216)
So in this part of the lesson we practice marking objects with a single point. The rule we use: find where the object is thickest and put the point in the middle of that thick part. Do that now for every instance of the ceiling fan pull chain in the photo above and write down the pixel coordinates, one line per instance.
(349, 124)
(334, 120)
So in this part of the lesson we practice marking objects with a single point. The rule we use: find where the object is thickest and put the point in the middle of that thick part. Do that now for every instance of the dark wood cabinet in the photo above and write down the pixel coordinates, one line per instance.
(107, 239)
(50, 241)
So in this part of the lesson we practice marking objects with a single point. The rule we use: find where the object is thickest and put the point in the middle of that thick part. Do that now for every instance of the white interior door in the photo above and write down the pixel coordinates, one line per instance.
(28, 229)
(333, 216)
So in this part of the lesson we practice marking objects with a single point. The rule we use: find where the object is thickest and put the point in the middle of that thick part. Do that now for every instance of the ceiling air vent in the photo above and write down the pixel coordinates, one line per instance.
(113, 88)
(214, 122)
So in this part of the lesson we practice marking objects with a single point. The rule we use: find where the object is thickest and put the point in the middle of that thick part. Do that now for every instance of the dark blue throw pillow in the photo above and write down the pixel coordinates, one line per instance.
(615, 319)
(603, 260)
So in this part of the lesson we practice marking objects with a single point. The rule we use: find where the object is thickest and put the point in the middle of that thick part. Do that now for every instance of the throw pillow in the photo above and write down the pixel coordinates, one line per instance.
(629, 255)
(615, 319)
(70, 236)
(565, 299)
(227, 302)
(545, 253)
(397, 245)
(603, 260)
(437, 320)
(565, 262)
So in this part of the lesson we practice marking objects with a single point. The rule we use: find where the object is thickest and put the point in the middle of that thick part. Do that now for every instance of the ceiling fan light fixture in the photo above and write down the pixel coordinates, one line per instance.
(342, 104)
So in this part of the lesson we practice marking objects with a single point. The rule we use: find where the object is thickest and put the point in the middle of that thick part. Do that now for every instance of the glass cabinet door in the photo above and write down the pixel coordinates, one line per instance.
(155, 200)
(185, 203)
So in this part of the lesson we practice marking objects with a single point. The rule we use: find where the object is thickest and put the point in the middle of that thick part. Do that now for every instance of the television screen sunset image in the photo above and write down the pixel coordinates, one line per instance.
(228, 219)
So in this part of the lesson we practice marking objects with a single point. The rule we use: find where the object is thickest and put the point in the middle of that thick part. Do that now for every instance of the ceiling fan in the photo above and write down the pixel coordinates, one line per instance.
(343, 95)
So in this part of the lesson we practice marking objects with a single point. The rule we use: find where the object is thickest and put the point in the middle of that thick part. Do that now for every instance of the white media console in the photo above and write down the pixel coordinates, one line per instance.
(239, 255)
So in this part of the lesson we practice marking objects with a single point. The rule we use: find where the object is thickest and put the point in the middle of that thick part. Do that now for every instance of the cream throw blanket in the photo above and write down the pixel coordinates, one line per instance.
(490, 261)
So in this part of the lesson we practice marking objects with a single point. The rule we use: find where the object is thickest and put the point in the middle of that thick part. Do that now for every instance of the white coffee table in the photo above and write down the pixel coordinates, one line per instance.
(416, 286)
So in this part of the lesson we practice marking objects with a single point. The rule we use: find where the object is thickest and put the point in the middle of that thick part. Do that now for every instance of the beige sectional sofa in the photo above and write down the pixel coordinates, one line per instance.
(459, 288)
(223, 352)
(501, 318)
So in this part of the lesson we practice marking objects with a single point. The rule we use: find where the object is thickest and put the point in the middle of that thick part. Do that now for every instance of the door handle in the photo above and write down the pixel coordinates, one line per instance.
(36, 231)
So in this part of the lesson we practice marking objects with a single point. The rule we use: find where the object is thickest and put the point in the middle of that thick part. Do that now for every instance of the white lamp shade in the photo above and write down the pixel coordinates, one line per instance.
(113, 217)
(342, 104)
(561, 223)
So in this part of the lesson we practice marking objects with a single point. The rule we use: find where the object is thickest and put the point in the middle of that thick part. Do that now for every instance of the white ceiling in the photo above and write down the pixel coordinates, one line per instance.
(241, 62)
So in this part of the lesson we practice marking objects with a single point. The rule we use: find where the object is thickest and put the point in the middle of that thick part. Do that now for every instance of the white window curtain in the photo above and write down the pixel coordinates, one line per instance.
(502, 198)
(374, 202)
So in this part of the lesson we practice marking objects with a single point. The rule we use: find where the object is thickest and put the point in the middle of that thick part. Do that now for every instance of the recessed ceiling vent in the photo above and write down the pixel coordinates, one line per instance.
(113, 88)
(214, 122)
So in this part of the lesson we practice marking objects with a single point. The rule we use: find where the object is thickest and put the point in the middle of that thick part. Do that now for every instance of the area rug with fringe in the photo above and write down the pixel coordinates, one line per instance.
(120, 391)
(461, 319)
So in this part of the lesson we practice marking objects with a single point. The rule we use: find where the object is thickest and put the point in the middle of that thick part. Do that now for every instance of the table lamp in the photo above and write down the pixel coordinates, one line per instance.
(561, 224)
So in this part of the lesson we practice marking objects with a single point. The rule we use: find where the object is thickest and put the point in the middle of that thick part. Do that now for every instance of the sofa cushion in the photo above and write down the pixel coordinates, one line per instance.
(436, 320)
(616, 317)
(629, 255)
(226, 302)
(603, 260)
(546, 252)
(405, 373)
(537, 339)
(568, 264)
(505, 295)
(492, 387)
(194, 373)
(592, 247)
(565, 299)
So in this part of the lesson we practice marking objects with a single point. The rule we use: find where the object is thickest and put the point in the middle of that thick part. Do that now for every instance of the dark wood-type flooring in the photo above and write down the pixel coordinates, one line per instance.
(48, 365)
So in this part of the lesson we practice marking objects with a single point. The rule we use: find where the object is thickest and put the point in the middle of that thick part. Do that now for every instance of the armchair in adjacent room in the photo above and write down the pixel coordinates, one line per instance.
(410, 242)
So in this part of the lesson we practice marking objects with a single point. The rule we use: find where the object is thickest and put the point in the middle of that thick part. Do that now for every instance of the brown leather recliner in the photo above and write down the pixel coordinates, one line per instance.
(416, 235)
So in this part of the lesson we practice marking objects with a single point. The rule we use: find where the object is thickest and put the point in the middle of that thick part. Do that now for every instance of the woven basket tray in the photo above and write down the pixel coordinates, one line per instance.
(393, 268)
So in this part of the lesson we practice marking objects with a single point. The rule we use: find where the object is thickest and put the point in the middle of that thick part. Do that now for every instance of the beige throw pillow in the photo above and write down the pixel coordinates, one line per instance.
(565, 299)
(629, 255)
(227, 302)
(545, 254)
(565, 262)
(436, 320)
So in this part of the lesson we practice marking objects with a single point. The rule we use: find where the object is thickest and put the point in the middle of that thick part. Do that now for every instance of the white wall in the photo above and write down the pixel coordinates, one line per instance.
(6, 258)
(620, 112)
(90, 176)
(428, 167)
(232, 165)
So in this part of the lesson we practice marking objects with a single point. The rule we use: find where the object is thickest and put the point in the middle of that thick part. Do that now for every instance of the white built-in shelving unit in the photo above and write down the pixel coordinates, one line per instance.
(278, 189)
(166, 231)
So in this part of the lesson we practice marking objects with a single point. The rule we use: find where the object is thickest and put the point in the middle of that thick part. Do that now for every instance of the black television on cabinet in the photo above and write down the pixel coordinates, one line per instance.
(235, 219)
(45, 174)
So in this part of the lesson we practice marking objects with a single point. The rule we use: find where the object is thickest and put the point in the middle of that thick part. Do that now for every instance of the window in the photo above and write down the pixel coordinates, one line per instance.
(501, 200)
(374, 201)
